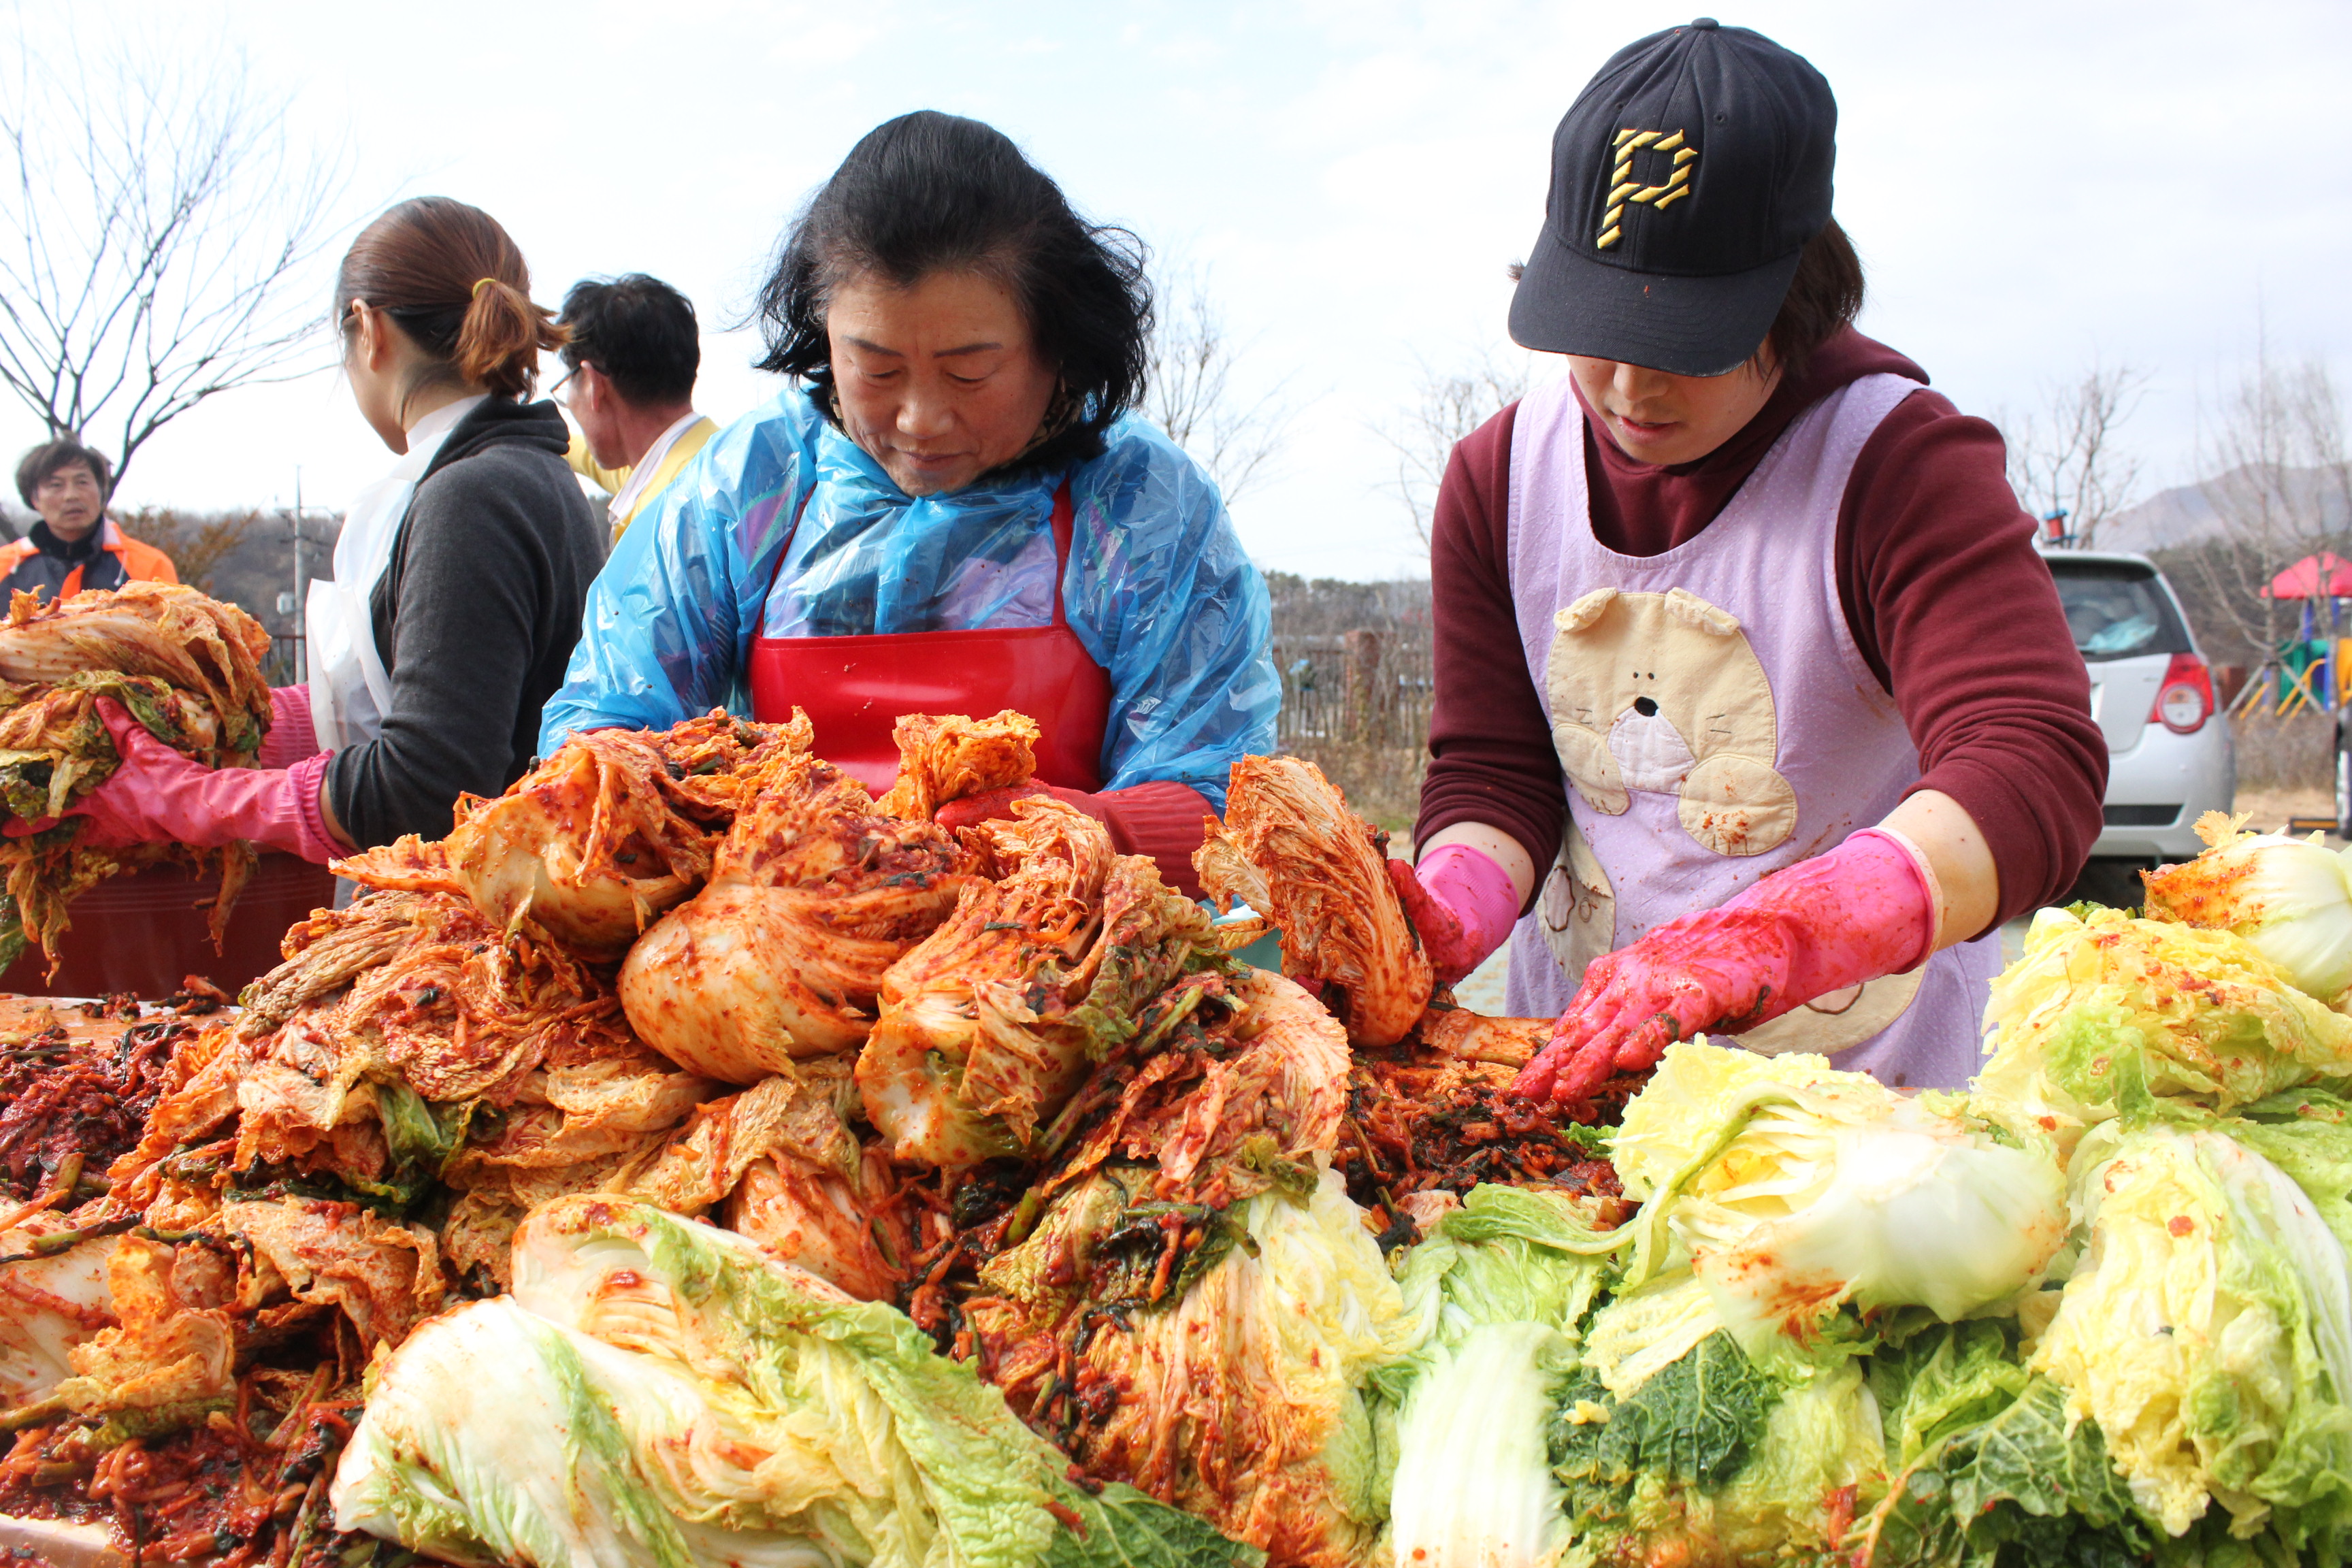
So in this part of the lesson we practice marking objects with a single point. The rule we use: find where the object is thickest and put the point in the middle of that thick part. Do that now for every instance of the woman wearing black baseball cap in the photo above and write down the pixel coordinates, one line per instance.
(1756, 710)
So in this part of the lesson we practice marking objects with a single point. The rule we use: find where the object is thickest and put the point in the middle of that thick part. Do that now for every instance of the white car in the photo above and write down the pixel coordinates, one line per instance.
(2170, 755)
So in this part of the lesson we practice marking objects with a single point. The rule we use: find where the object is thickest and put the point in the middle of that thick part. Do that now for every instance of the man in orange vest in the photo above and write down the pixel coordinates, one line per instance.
(74, 545)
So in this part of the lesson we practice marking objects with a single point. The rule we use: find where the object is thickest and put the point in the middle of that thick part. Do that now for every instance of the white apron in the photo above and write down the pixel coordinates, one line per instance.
(1717, 722)
(350, 690)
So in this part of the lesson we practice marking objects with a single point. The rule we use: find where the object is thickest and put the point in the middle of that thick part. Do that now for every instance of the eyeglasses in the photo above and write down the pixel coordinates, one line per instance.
(557, 393)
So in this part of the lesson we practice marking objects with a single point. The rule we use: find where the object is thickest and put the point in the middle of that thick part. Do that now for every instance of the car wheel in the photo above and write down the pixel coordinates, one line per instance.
(2112, 881)
(2343, 785)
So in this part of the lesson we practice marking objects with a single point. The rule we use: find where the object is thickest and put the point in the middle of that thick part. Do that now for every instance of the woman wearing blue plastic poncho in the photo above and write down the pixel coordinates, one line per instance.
(951, 510)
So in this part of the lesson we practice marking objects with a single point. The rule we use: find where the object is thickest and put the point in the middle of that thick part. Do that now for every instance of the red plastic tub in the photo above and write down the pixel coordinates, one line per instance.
(144, 934)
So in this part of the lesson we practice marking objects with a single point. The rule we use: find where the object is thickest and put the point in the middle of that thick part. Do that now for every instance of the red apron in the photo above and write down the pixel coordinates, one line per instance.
(854, 689)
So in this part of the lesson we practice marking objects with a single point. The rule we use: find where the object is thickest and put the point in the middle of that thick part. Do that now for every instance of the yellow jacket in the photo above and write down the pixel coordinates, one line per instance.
(613, 481)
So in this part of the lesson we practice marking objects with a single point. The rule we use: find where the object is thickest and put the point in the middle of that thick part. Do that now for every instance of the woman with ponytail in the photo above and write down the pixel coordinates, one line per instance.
(459, 576)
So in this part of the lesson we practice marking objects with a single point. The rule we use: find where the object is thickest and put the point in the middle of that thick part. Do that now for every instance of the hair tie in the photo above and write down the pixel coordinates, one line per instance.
(480, 284)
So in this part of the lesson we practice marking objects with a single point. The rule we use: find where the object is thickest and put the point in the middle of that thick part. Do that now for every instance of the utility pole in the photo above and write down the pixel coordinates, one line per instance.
(301, 643)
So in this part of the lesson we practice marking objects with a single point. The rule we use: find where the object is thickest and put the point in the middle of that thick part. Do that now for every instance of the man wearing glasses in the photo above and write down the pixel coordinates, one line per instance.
(629, 388)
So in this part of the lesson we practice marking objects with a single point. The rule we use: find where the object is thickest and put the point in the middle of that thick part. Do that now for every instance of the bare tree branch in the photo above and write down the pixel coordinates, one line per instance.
(156, 231)
(1448, 406)
(1188, 390)
(197, 542)
(2280, 488)
(2066, 457)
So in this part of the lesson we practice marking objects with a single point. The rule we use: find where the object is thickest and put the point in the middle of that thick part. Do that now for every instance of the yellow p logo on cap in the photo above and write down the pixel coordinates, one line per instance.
(1624, 188)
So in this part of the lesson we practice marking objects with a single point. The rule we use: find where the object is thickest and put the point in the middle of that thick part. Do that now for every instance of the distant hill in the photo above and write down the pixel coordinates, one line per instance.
(2178, 516)
(2183, 515)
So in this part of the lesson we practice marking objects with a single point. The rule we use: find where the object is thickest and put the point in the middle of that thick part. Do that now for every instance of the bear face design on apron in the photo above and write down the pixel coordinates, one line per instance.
(1716, 722)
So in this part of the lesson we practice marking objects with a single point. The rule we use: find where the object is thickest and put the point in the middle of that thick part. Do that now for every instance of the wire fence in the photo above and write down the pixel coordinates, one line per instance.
(1368, 686)
(1356, 704)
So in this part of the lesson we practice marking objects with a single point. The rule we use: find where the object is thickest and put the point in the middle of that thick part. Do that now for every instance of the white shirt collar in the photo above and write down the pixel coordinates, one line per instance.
(642, 474)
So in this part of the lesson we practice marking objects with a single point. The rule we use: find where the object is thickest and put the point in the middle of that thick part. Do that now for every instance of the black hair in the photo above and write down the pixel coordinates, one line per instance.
(1823, 299)
(931, 193)
(62, 453)
(639, 332)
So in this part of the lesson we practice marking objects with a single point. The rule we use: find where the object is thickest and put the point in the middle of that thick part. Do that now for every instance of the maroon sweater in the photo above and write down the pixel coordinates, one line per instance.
(1941, 586)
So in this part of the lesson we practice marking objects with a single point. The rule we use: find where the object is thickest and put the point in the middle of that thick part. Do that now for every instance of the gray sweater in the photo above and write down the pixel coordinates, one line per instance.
(474, 617)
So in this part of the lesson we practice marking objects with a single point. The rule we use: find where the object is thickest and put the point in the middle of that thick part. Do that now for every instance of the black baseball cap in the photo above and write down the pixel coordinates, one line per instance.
(1685, 180)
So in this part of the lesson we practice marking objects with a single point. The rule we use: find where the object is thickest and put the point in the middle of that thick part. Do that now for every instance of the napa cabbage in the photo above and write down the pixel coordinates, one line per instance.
(1500, 1287)
(2103, 1012)
(2208, 1331)
(1984, 1465)
(1715, 1459)
(657, 1392)
(1721, 1410)
(2288, 897)
(1786, 1188)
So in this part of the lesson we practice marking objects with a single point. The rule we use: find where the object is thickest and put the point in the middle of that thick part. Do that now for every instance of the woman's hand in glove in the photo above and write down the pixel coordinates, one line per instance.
(1461, 905)
(159, 796)
(1161, 818)
(990, 803)
(293, 737)
(1866, 908)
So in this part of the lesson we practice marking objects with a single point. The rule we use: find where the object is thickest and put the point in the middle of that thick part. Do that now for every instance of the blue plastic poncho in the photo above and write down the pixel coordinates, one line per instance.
(1158, 589)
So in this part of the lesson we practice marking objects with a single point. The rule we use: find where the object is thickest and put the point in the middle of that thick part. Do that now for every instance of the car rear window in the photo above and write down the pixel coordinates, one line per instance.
(2117, 610)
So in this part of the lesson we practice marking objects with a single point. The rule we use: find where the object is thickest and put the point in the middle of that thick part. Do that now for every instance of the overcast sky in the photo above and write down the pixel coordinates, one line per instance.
(2031, 184)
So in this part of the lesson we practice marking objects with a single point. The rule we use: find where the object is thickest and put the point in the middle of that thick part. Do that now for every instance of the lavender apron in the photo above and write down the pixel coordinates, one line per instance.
(1717, 722)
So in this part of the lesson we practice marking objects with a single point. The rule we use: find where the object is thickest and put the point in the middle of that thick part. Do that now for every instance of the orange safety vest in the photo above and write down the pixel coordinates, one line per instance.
(141, 563)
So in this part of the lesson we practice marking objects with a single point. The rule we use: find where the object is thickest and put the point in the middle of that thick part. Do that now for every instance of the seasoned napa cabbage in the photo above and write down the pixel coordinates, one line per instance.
(657, 1392)
(2288, 897)
(185, 667)
(48, 1306)
(989, 1025)
(945, 757)
(597, 841)
(1290, 849)
(2103, 1010)
(166, 1361)
(2208, 1330)
(1786, 1188)
(813, 894)
(1232, 1386)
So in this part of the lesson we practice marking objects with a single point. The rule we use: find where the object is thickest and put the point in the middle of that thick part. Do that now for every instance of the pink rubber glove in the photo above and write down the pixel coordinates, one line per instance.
(159, 796)
(292, 737)
(990, 803)
(1865, 908)
(1461, 903)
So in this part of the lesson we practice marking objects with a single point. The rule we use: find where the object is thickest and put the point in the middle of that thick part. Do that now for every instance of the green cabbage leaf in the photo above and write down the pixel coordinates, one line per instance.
(1985, 1467)
(1501, 1290)
(1713, 1459)
(2208, 1331)
(2104, 1011)
(657, 1392)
